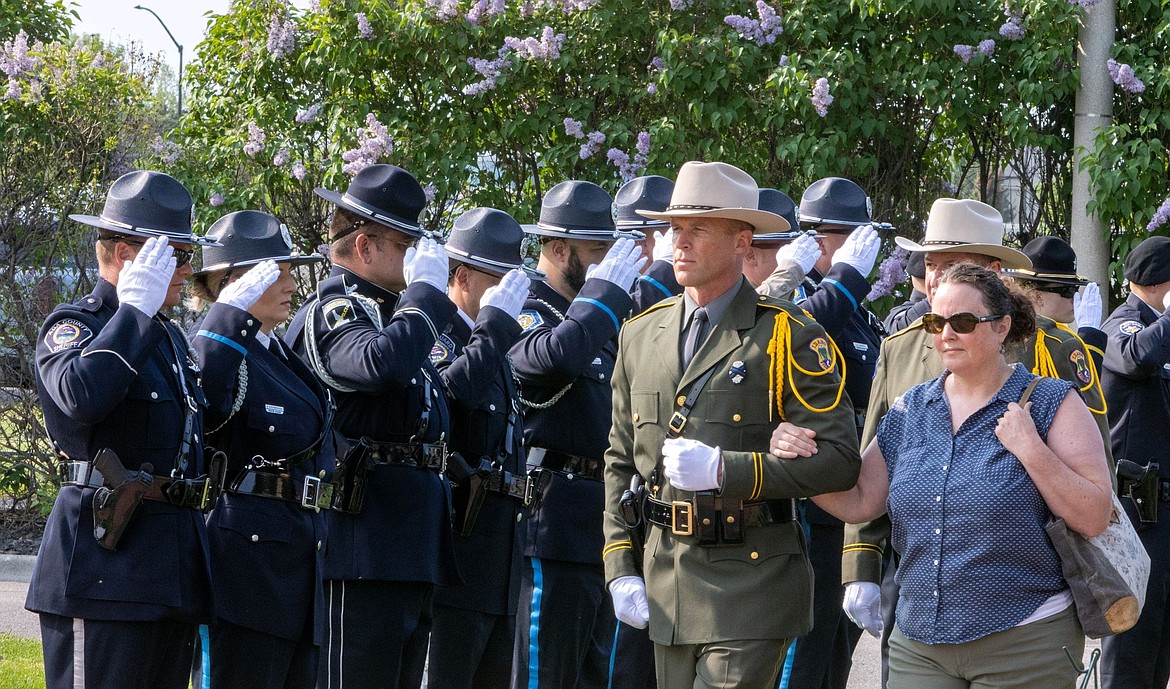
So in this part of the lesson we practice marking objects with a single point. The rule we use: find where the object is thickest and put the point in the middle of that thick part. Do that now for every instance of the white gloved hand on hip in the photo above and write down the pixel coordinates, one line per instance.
(629, 601)
(509, 295)
(621, 265)
(426, 263)
(143, 282)
(691, 465)
(860, 249)
(863, 606)
(803, 251)
(1087, 306)
(247, 290)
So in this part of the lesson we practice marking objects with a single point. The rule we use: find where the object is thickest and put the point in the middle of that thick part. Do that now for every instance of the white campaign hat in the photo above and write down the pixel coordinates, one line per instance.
(718, 190)
(969, 226)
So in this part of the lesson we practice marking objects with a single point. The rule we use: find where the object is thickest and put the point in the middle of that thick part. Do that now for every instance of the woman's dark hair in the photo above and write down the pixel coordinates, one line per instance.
(998, 297)
(205, 288)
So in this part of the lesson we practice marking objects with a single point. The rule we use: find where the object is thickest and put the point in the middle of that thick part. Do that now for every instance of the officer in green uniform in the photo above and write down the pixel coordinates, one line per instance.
(699, 383)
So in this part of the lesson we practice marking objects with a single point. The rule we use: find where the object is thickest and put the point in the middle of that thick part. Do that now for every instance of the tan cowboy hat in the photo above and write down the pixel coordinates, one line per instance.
(718, 190)
(969, 226)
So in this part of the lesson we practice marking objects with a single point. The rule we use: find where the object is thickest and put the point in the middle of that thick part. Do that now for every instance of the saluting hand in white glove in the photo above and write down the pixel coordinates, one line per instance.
(664, 245)
(860, 249)
(143, 282)
(249, 287)
(426, 263)
(1087, 306)
(803, 251)
(509, 295)
(621, 264)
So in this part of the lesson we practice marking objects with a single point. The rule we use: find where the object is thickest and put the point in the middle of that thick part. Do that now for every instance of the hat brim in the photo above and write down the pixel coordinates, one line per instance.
(1008, 257)
(1052, 278)
(145, 233)
(761, 221)
(638, 225)
(294, 261)
(339, 199)
(588, 234)
(494, 267)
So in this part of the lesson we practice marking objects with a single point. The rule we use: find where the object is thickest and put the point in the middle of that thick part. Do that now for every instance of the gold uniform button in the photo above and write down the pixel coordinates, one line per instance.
(681, 400)
(706, 522)
(755, 555)
(736, 417)
(636, 417)
(730, 519)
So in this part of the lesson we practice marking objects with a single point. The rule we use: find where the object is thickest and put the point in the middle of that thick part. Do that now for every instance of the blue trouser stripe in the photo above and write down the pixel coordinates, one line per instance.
(534, 625)
(205, 660)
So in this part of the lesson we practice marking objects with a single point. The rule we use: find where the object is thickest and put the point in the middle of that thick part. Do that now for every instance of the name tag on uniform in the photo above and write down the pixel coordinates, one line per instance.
(861, 346)
(273, 409)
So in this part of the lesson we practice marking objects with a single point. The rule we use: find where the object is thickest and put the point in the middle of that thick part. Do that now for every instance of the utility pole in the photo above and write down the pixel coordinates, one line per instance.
(172, 36)
(1094, 112)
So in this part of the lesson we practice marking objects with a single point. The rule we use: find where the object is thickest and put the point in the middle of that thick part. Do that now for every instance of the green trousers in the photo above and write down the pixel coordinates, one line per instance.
(749, 664)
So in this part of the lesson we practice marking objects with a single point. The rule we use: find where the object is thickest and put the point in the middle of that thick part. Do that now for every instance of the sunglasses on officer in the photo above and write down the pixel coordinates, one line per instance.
(1066, 291)
(961, 323)
(182, 256)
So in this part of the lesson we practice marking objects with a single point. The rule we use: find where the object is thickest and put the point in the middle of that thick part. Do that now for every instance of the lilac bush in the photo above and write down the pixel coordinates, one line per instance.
(1160, 216)
(255, 142)
(373, 143)
(891, 272)
(762, 31)
(282, 35)
(821, 99)
(1122, 75)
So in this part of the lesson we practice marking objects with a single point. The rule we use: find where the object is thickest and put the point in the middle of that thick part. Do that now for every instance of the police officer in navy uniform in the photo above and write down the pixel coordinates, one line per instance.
(113, 373)
(564, 360)
(838, 210)
(916, 305)
(367, 332)
(657, 281)
(475, 622)
(1136, 380)
(271, 417)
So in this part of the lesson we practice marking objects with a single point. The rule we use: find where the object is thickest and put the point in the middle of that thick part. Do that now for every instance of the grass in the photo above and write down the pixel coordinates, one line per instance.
(21, 663)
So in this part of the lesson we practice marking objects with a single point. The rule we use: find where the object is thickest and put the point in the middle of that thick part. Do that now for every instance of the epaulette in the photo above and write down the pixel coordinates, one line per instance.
(90, 302)
(660, 305)
(916, 325)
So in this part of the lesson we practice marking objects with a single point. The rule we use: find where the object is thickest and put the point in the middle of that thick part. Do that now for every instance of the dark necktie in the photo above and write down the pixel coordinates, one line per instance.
(275, 349)
(696, 333)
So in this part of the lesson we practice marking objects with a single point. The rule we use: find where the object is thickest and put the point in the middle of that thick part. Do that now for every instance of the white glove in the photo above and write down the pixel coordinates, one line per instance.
(143, 282)
(629, 601)
(509, 295)
(803, 251)
(621, 264)
(664, 246)
(1087, 306)
(252, 285)
(863, 606)
(860, 249)
(426, 263)
(691, 465)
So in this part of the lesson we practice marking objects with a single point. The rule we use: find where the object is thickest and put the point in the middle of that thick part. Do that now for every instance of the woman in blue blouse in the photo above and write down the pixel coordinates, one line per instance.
(271, 417)
(970, 478)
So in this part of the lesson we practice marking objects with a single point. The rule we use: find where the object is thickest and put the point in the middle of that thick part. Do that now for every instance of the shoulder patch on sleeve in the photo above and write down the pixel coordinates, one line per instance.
(1081, 366)
(1131, 327)
(529, 319)
(443, 348)
(824, 354)
(67, 333)
(338, 311)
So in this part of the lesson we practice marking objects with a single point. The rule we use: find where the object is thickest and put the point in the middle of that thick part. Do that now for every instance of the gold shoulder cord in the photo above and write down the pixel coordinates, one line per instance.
(1046, 367)
(780, 351)
(1095, 378)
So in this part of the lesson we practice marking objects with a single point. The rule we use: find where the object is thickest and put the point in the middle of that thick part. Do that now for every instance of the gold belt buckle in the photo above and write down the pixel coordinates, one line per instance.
(677, 422)
(681, 518)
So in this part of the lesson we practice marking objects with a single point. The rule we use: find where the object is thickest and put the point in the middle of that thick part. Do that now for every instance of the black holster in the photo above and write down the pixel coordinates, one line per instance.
(349, 480)
(469, 491)
(116, 502)
(632, 507)
(1142, 485)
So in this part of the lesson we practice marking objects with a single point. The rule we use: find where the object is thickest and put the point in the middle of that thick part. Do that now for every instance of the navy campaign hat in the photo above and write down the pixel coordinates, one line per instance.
(578, 210)
(916, 265)
(775, 201)
(1053, 260)
(489, 239)
(145, 203)
(1149, 262)
(835, 201)
(386, 194)
(249, 237)
(651, 193)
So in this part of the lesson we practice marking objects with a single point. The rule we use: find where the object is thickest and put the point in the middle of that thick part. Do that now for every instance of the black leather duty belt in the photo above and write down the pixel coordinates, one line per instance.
(421, 455)
(1164, 491)
(180, 492)
(585, 467)
(310, 493)
(518, 487)
(683, 518)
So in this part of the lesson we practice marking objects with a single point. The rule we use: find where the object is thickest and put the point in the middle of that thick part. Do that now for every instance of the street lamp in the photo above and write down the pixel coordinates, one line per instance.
(164, 26)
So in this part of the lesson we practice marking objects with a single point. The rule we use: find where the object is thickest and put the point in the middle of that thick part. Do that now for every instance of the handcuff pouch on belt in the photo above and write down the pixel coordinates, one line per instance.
(1142, 485)
(349, 478)
(488, 476)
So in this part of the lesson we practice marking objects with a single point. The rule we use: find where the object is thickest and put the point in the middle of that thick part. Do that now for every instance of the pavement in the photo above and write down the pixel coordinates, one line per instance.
(16, 570)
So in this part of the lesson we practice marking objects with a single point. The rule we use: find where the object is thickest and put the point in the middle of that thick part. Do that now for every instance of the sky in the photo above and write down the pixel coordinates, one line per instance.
(117, 21)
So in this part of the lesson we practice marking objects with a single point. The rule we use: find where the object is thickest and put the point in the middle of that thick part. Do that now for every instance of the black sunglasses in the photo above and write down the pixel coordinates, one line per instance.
(182, 256)
(1066, 291)
(961, 323)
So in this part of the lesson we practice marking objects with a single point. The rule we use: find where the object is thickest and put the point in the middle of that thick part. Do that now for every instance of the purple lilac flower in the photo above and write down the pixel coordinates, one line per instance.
(99, 61)
(657, 64)
(373, 142)
(314, 6)
(1160, 216)
(167, 151)
(323, 249)
(1013, 28)
(364, 29)
(309, 114)
(216, 199)
(280, 158)
(547, 47)
(1084, 3)
(570, 6)
(476, 12)
(14, 58)
(256, 138)
(965, 52)
(784, 61)
(573, 128)
(429, 192)
(527, 8)
(821, 99)
(282, 35)
(490, 70)
(1122, 75)
(678, 5)
(444, 9)
(987, 47)
(298, 170)
(592, 145)
(762, 31)
(652, 89)
(643, 145)
(891, 272)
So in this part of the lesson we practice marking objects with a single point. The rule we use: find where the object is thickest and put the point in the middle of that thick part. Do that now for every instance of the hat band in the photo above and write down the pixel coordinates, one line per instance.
(690, 207)
(832, 221)
(578, 230)
(945, 242)
(640, 223)
(140, 228)
(384, 219)
(467, 254)
(1033, 273)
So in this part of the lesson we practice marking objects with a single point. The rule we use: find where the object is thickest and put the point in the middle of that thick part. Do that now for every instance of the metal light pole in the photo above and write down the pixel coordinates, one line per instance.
(164, 26)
